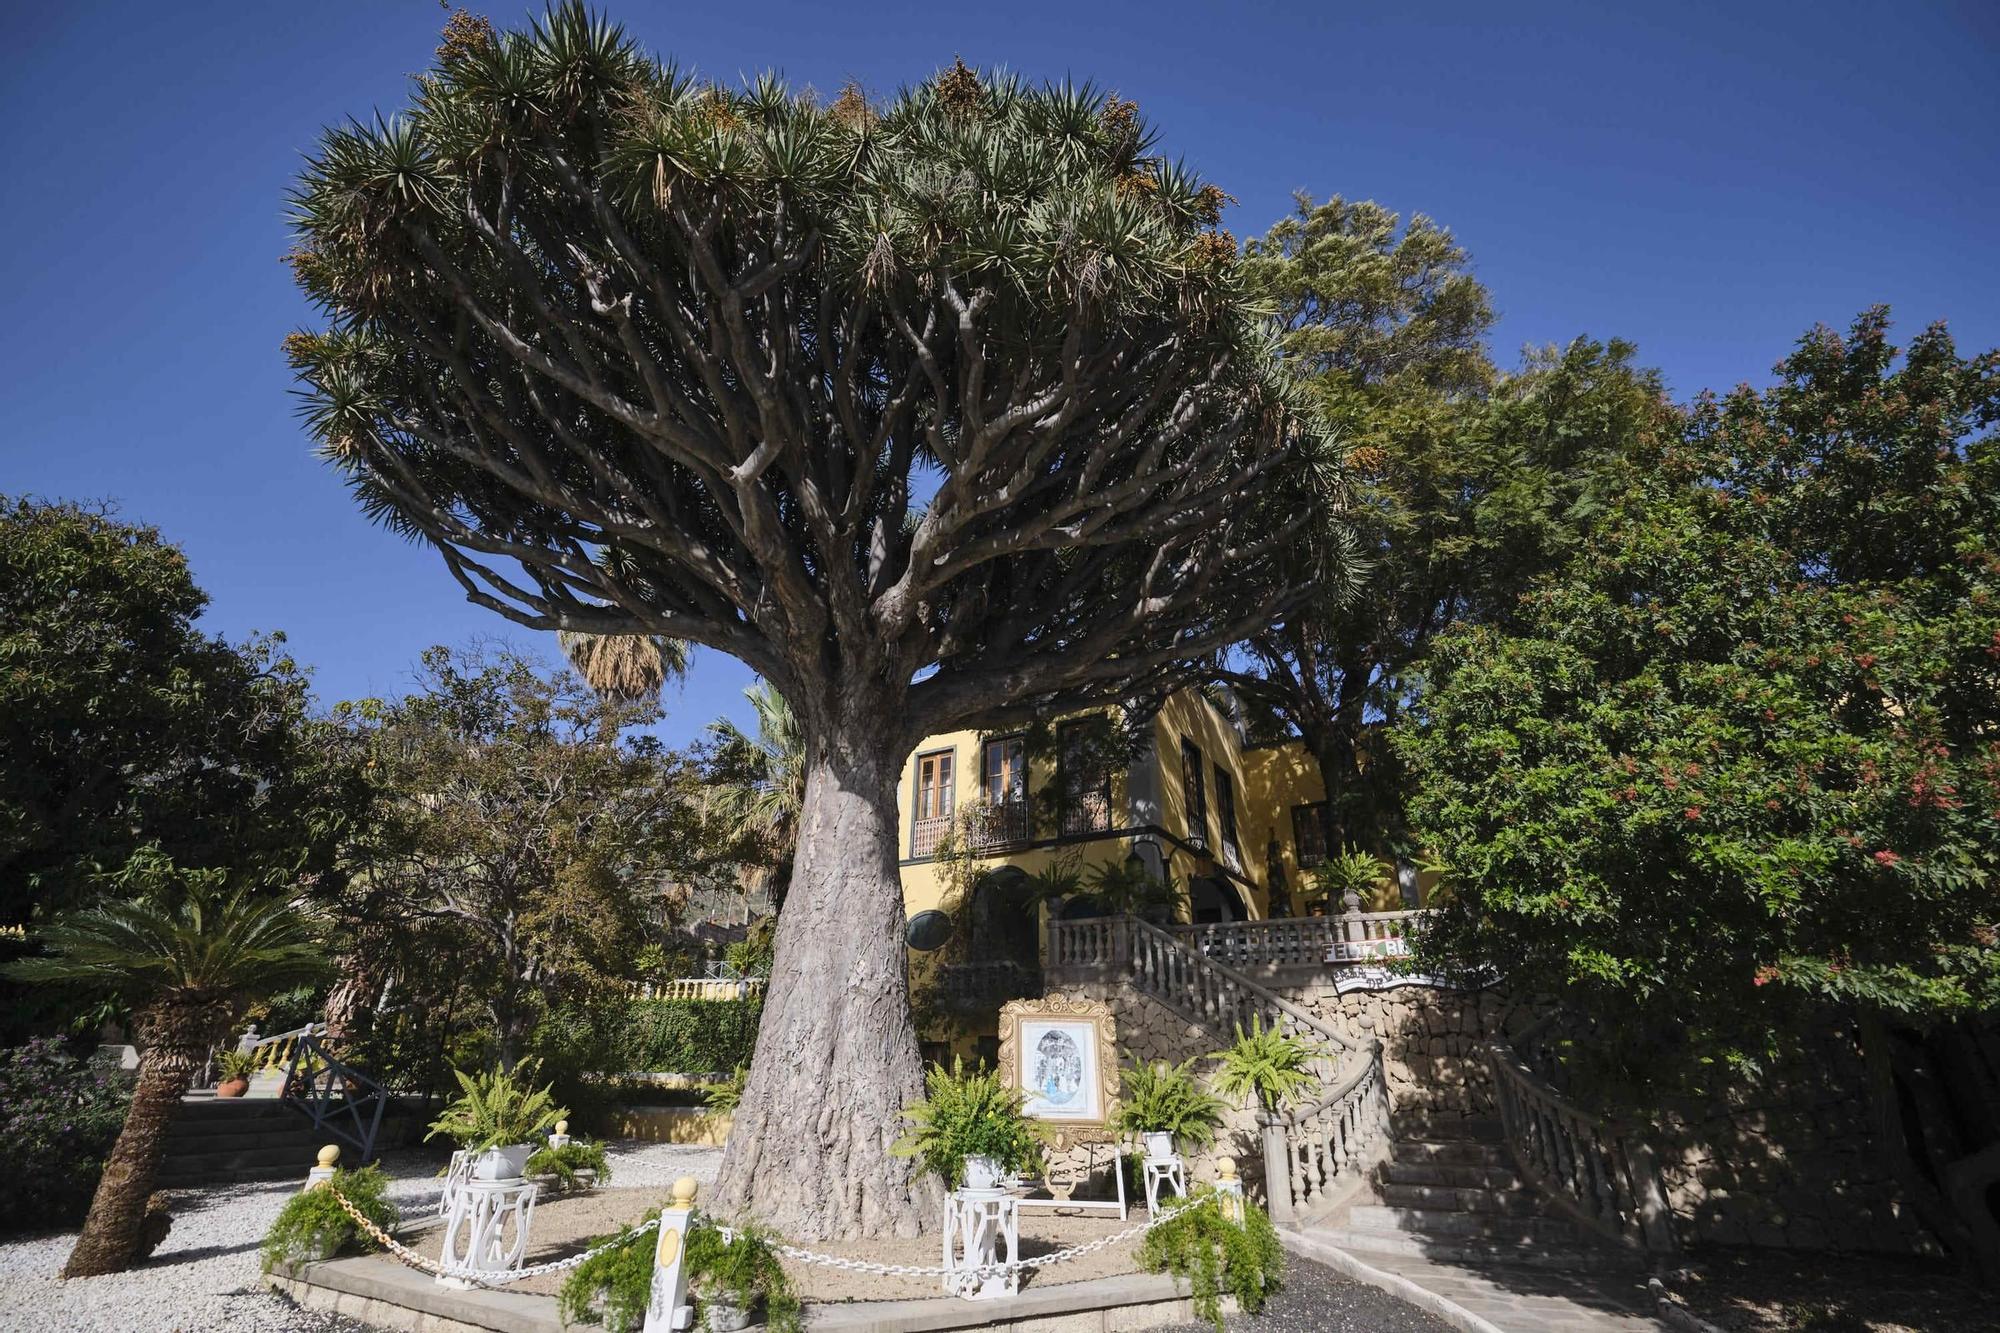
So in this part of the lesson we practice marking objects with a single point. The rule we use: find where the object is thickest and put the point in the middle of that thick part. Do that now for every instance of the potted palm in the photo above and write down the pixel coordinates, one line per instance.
(1266, 1065)
(969, 1128)
(233, 1073)
(496, 1116)
(1165, 1106)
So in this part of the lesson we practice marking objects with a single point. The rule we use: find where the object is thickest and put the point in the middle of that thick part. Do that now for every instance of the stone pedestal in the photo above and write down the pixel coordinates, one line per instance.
(487, 1231)
(981, 1227)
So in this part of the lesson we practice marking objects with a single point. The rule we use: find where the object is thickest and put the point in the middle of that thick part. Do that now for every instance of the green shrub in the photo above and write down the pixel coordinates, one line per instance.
(313, 1224)
(232, 1065)
(728, 1094)
(1158, 1097)
(968, 1115)
(59, 1116)
(1266, 1065)
(498, 1108)
(1214, 1255)
(612, 1288)
(687, 1036)
(563, 1163)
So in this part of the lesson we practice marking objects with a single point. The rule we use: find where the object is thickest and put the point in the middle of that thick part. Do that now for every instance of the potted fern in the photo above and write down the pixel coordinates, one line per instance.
(1165, 1105)
(969, 1128)
(233, 1073)
(1267, 1066)
(495, 1117)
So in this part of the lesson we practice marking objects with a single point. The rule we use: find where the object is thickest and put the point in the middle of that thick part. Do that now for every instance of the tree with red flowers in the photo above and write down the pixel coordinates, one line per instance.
(1740, 761)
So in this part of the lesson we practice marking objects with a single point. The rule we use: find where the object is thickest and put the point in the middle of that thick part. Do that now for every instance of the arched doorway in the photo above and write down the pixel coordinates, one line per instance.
(1213, 900)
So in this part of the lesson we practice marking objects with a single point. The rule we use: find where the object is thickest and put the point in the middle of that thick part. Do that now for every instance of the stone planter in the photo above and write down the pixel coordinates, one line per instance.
(719, 1316)
(502, 1163)
(1159, 1145)
(234, 1087)
(983, 1173)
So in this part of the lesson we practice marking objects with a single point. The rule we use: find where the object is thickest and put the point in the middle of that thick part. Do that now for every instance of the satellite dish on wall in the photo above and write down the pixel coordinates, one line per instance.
(927, 930)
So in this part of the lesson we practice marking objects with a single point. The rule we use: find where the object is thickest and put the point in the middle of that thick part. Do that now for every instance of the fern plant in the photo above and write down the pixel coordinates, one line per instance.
(1267, 1065)
(233, 1065)
(727, 1095)
(496, 1109)
(1162, 1098)
(1214, 1255)
(312, 1225)
(565, 1162)
(968, 1115)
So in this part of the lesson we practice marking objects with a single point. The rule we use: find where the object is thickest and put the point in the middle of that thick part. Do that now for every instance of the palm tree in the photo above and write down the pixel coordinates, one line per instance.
(189, 958)
(762, 781)
(627, 668)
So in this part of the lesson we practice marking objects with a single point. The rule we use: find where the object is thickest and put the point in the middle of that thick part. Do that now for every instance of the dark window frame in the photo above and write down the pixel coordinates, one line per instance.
(949, 785)
(1314, 816)
(1225, 810)
(1194, 793)
(1072, 786)
(1017, 739)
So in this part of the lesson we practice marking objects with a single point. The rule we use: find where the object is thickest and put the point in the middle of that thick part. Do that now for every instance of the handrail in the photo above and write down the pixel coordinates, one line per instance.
(323, 1089)
(1597, 1174)
(1315, 1156)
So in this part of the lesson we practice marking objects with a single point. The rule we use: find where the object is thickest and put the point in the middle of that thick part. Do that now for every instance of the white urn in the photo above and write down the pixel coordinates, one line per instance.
(506, 1162)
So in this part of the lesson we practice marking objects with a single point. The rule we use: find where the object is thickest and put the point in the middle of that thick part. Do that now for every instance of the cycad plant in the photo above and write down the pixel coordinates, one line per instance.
(761, 786)
(1267, 1065)
(189, 956)
(968, 1115)
(497, 1109)
(1161, 1098)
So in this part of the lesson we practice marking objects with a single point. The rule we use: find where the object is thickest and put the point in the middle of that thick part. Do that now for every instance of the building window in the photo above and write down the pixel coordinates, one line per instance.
(1309, 833)
(1193, 795)
(1082, 779)
(1001, 819)
(1225, 810)
(932, 812)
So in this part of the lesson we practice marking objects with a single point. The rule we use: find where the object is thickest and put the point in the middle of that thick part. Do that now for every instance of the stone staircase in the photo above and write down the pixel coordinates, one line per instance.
(1450, 1194)
(225, 1140)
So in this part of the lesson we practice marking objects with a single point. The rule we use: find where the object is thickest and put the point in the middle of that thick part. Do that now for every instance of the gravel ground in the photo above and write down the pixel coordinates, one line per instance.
(205, 1276)
(1315, 1299)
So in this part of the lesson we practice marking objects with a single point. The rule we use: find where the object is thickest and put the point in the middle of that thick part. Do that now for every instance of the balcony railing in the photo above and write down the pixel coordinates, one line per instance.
(927, 834)
(992, 825)
(1086, 811)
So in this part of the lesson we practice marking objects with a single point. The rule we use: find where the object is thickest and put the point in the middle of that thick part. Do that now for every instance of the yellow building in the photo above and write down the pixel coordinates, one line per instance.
(1181, 795)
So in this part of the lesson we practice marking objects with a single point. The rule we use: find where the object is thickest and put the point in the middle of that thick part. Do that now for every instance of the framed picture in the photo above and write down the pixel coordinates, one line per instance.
(1062, 1057)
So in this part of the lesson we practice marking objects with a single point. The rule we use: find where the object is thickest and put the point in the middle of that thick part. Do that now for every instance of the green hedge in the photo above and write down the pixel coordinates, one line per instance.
(650, 1037)
(688, 1036)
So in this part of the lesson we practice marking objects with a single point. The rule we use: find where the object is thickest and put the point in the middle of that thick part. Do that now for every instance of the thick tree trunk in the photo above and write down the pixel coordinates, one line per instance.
(836, 1063)
(110, 1239)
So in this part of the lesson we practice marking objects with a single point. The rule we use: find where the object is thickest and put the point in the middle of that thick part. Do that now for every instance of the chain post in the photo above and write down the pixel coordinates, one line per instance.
(667, 1309)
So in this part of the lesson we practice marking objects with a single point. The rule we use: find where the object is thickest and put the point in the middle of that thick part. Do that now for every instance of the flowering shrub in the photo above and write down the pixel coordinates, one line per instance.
(59, 1116)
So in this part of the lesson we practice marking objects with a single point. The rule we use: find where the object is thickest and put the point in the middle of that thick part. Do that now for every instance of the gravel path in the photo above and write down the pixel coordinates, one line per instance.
(1315, 1299)
(205, 1276)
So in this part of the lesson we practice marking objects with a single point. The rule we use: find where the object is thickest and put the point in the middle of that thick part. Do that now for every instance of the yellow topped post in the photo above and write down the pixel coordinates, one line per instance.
(323, 1172)
(1229, 1190)
(667, 1310)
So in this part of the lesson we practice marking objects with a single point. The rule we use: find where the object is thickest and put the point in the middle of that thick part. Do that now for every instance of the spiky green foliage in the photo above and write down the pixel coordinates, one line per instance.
(312, 1225)
(968, 1114)
(188, 954)
(727, 1095)
(497, 1108)
(1155, 1097)
(1267, 1065)
(682, 349)
(1216, 1256)
(565, 1162)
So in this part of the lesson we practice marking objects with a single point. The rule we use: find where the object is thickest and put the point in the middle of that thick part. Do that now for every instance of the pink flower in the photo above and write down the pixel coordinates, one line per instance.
(1886, 857)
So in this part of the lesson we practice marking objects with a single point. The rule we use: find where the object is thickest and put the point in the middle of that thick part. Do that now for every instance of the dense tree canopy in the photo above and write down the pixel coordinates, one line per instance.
(1462, 483)
(124, 725)
(1740, 754)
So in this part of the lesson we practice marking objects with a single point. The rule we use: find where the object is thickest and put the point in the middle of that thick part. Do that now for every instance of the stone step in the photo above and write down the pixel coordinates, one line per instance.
(1445, 1129)
(1455, 1152)
(201, 1165)
(1466, 1250)
(281, 1134)
(1512, 1203)
(1528, 1229)
(1447, 1173)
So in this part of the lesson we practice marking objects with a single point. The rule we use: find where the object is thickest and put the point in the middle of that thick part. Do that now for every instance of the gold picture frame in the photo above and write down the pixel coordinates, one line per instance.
(1075, 1102)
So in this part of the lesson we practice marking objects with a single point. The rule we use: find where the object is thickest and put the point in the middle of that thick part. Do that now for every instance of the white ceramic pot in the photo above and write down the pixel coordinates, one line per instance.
(1159, 1146)
(503, 1163)
(983, 1173)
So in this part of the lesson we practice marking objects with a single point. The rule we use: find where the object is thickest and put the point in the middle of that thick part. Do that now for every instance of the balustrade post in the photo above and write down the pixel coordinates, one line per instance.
(1277, 1169)
(1656, 1227)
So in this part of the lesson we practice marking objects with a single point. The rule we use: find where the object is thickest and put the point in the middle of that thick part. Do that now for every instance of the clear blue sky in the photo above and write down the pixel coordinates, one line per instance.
(1706, 180)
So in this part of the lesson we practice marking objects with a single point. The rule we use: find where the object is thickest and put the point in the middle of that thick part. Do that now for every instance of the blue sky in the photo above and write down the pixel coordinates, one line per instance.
(1706, 180)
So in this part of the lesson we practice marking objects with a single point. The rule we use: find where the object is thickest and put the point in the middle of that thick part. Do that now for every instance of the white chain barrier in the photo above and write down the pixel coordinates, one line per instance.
(804, 1256)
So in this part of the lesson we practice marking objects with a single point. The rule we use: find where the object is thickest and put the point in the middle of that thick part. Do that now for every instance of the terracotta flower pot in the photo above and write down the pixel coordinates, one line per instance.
(233, 1087)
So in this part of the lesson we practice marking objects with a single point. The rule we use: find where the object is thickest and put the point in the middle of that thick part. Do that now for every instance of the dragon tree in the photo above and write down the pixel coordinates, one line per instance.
(945, 411)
